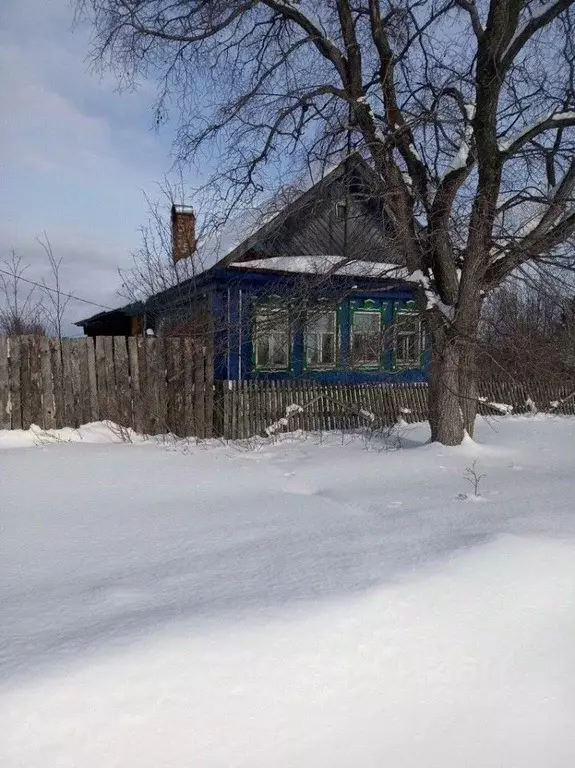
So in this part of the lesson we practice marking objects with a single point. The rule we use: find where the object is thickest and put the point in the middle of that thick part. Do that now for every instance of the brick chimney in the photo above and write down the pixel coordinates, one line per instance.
(183, 232)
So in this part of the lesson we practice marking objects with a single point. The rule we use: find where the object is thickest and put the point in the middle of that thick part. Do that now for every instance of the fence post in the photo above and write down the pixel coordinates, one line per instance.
(5, 421)
(47, 396)
(15, 396)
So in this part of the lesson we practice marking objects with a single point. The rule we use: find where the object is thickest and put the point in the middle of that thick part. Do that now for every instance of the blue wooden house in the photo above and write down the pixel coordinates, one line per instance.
(315, 292)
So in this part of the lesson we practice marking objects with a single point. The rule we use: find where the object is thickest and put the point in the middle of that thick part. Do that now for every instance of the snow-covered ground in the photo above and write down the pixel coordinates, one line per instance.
(310, 603)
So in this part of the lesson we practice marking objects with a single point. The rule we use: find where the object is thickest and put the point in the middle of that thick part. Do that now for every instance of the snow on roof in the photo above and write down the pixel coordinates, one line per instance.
(324, 265)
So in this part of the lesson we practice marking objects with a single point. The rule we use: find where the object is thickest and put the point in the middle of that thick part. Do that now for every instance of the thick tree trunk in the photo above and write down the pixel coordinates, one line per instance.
(468, 389)
(453, 392)
(445, 416)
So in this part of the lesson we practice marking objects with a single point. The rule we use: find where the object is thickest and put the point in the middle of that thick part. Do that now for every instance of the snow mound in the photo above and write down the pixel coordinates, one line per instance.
(93, 432)
(309, 603)
(469, 664)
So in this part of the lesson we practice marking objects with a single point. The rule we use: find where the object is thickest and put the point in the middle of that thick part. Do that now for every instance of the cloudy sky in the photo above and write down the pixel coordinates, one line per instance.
(76, 156)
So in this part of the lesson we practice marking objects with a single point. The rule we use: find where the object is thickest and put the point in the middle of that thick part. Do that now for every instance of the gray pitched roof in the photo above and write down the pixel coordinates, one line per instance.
(310, 226)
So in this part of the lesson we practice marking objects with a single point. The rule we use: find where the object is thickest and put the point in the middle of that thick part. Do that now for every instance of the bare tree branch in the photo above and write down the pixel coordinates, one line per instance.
(556, 121)
(463, 109)
(541, 18)
(471, 8)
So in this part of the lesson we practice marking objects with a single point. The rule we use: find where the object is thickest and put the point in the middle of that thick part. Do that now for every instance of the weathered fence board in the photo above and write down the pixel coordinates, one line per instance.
(57, 381)
(77, 394)
(92, 382)
(161, 389)
(48, 420)
(199, 399)
(25, 383)
(135, 391)
(173, 374)
(152, 396)
(107, 375)
(14, 376)
(142, 352)
(67, 384)
(188, 386)
(35, 380)
(85, 400)
(122, 381)
(152, 385)
(5, 419)
(100, 363)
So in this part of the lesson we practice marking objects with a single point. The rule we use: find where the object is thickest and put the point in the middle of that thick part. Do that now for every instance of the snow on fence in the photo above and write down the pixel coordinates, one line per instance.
(153, 385)
(159, 385)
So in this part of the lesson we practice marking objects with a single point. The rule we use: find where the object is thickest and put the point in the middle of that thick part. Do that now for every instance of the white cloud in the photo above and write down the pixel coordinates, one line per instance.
(75, 155)
(43, 131)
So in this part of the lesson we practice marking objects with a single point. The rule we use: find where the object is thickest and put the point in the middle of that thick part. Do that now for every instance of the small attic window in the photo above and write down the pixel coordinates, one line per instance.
(344, 208)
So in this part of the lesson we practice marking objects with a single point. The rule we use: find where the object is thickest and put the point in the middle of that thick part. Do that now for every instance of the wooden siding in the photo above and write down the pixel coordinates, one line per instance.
(313, 228)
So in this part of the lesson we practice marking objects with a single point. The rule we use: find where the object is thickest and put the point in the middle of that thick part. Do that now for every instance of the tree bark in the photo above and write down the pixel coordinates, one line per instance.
(453, 391)
(468, 389)
(445, 415)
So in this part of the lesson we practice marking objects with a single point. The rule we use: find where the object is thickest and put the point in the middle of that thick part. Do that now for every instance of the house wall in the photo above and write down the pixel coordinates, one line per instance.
(233, 307)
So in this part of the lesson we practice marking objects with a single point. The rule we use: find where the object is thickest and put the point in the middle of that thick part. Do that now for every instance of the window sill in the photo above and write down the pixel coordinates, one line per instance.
(262, 369)
(408, 367)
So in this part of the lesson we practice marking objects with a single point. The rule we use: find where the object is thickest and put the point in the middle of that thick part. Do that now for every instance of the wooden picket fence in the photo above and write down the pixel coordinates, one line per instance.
(153, 385)
(248, 408)
(160, 385)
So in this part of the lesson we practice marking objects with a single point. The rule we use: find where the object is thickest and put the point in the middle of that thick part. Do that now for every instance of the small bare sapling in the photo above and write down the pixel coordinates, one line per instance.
(474, 478)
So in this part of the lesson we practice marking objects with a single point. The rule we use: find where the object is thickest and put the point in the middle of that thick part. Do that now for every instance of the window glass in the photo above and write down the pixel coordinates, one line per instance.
(366, 337)
(272, 338)
(320, 339)
(408, 339)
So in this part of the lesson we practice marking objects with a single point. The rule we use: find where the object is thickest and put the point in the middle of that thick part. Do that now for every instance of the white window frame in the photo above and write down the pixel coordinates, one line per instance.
(419, 333)
(321, 334)
(366, 363)
(272, 331)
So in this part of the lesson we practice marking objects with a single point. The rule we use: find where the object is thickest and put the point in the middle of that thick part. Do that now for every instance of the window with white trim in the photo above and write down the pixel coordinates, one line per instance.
(408, 339)
(366, 337)
(321, 339)
(272, 338)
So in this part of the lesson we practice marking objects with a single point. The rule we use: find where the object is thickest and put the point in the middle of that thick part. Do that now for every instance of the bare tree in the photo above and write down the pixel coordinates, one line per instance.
(527, 332)
(55, 301)
(153, 268)
(21, 308)
(466, 109)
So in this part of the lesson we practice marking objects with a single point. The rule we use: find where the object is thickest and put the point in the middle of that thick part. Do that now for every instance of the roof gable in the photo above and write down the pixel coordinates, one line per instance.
(310, 225)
